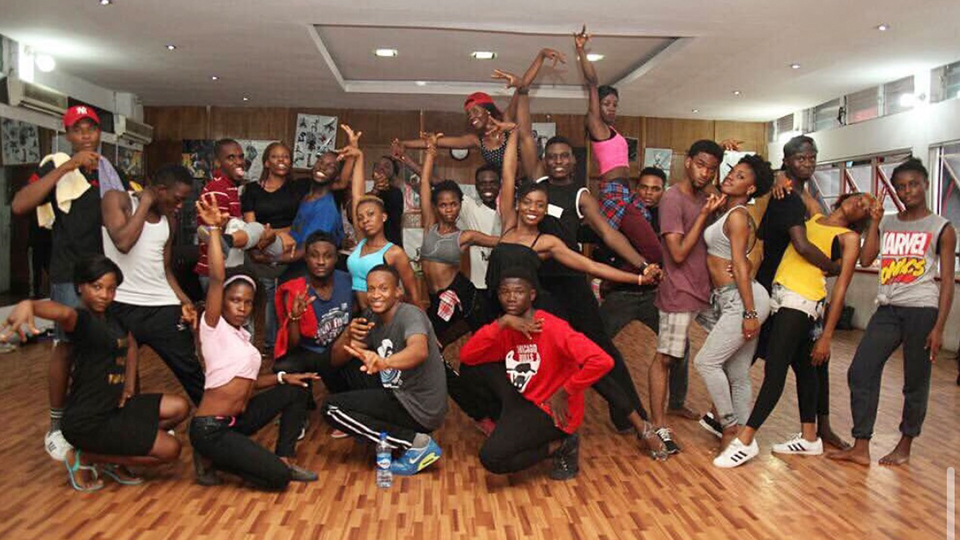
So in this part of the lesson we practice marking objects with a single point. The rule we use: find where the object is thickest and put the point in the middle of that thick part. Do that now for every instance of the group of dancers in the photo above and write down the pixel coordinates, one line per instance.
(362, 326)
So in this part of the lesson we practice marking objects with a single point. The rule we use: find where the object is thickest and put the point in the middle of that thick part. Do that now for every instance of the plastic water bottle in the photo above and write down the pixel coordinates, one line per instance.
(384, 459)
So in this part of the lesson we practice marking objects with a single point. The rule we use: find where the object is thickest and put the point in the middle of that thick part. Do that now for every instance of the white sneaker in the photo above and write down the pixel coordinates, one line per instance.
(56, 445)
(799, 445)
(736, 454)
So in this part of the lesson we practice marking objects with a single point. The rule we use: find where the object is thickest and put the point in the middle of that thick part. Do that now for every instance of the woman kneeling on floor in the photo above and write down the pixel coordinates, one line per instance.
(109, 426)
(229, 412)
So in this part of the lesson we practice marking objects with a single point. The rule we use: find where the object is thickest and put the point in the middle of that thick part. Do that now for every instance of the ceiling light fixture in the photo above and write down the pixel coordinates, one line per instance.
(483, 55)
(106, 2)
(694, 110)
(795, 65)
(171, 47)
(214, 78)
(246, 98)
(421, 83)
(736, 92)
(385, 53)
(883, 27)
(45, 63)
(594, 57)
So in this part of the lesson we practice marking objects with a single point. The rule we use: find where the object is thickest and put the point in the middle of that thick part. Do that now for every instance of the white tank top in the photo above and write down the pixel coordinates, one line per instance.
(144, 277)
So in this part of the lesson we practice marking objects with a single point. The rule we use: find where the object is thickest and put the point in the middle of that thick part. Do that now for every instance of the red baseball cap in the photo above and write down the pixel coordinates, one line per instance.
(478, 98)
(79, 112)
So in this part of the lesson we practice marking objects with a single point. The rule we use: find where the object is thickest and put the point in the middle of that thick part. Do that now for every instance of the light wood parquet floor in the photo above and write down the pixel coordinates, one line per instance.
(618, 494)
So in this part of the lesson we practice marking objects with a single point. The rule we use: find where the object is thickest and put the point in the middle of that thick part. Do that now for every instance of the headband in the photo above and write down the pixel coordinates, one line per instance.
(241, 277)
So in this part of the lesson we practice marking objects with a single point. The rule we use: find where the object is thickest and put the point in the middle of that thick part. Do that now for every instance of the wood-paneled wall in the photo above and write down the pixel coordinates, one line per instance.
(174, 124)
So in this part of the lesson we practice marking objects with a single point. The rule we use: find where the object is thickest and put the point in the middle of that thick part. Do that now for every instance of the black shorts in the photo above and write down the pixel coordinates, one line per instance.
(472, 309)
(127, 431)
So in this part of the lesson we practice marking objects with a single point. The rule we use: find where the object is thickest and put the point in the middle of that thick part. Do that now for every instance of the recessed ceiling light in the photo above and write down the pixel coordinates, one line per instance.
(45, 63)
(171, 47)
(385, 53)
(795, 65)
(421, 83)
(106, 2)
(883, 27)
(246, 98)
(694, 110)
(483, 55)
(594, 57)
(214, 78)
(736, 92)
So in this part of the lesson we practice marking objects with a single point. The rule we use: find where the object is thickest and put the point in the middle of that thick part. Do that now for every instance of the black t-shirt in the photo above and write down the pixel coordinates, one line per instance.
(99, 367)
(275, 208)
(781, 215)
(563, 221)
(75, 234)
(392, 199)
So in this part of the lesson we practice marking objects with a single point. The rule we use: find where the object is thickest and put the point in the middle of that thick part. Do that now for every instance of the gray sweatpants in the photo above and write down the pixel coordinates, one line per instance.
(724, 360)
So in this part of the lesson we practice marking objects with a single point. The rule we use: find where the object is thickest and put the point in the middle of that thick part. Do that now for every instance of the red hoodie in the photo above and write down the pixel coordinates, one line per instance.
(557, 357)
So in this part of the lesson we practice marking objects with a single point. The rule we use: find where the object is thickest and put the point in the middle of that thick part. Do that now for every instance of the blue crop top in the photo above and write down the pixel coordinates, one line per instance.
(360, 265)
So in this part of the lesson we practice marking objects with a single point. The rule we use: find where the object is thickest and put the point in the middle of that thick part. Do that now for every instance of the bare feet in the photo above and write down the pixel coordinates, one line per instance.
(829, 437)
(900, 455)
(858, 453)
(684, 412)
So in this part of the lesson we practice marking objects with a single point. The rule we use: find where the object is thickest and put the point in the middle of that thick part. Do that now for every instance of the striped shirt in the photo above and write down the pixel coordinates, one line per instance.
(228, 200)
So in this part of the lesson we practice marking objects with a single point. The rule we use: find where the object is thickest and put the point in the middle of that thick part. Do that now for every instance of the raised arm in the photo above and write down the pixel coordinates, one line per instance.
(850, 242)
(467, 140)
(210, 215)
(352, 151)
(679, 245)
(613, 238)
(598, 129)
(426, 203)
(35, 193)
(124, 226)
(508, 184)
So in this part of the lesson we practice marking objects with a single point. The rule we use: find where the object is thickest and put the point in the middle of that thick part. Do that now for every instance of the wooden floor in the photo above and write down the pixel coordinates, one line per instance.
(619, 493)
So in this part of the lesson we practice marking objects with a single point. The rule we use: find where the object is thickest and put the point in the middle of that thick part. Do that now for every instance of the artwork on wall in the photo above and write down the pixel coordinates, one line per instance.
(542, 131)
(21, 142)
(130, 162)
(197, 157)
(730, 160)
(660, 158)
(253, 154)
(315, 134)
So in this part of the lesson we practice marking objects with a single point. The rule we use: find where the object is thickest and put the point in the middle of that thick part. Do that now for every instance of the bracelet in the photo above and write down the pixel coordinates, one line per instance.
(280, 375)
(750, 314)
(297, 318)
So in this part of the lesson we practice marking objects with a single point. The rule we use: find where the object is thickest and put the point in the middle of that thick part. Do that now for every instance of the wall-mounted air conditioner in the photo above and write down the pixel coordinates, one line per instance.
(132, 130)
(19, 93)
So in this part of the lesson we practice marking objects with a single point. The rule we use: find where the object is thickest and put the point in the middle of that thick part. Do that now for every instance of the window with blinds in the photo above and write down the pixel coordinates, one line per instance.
(863, 105)
(898, 96)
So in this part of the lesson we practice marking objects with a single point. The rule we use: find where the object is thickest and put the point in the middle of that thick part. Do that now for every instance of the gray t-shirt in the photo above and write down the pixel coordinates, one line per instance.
(908, 261)
(421, 390)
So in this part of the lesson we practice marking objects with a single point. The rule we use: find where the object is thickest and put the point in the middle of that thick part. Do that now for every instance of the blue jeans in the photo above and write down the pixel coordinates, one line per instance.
(66, 294)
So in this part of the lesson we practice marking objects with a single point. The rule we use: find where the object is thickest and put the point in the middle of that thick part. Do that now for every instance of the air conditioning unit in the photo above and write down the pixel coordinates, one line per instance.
(34, 96)
(132, 130)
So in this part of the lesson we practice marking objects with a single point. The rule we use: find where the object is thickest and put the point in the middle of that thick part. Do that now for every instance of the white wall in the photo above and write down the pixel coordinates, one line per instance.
(916, 130)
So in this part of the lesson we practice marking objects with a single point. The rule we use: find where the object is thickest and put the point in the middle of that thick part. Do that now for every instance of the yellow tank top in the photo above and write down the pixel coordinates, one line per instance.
(798, 275)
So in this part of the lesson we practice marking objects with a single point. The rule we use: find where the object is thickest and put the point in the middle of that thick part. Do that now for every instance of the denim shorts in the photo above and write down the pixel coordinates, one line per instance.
(66, 294)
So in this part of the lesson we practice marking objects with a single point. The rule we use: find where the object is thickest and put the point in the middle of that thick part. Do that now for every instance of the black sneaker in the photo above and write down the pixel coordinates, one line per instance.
(709, 423)
(566, 460)
(299, 474)
(667, 437)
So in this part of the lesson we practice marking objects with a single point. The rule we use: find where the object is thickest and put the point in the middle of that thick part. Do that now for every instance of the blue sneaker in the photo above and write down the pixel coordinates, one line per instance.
(415, 460)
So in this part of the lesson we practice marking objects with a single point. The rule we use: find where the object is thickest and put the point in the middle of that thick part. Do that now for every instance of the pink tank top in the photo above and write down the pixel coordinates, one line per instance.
(611, 153)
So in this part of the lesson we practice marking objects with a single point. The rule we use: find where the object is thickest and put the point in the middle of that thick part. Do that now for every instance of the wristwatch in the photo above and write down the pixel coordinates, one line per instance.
(750, 314)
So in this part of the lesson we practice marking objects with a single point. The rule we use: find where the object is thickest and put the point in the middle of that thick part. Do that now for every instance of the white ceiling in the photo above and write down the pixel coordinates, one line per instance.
(270, 51)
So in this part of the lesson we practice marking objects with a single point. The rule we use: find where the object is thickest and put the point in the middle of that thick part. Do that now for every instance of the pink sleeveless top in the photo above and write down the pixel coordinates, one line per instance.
(611, 153)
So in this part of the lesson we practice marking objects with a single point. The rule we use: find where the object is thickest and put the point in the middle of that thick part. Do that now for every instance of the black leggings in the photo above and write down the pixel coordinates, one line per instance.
(367, 413)
(823, 370)
(225, 439)
(524, 431)
(583, 313)
(789, 347)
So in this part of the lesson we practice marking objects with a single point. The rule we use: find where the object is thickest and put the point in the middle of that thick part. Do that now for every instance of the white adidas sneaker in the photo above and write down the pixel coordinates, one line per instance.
(736, 454)
(56, 445)
(801, 446)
